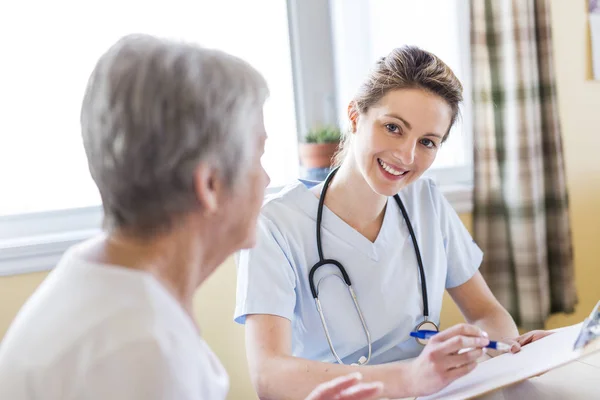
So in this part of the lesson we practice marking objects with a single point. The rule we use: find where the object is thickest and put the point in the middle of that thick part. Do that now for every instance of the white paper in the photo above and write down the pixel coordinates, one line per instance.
(533, 359)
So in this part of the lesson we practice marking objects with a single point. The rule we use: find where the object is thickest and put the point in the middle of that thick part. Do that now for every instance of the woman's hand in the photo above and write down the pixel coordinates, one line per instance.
(347, 387)
(449, 355)
(525, 339)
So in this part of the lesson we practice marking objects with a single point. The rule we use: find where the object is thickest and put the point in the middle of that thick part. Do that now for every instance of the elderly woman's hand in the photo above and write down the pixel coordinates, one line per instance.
(348, 387)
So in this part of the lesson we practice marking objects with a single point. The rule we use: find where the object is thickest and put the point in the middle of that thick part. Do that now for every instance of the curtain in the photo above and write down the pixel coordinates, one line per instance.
(520, 215)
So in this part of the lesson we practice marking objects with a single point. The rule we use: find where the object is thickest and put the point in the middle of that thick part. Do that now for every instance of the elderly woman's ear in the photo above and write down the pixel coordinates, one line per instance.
(208, 187)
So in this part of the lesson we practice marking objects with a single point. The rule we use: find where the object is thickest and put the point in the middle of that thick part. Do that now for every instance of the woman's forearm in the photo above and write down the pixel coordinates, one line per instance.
(498, 324)
(292, 378)
(481, 308)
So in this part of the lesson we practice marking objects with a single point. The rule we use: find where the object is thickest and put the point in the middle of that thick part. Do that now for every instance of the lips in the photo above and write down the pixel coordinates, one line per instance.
(392, 169)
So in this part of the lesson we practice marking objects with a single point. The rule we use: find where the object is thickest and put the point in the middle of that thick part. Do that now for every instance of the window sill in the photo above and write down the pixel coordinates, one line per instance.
(22, 252)
(36, 242)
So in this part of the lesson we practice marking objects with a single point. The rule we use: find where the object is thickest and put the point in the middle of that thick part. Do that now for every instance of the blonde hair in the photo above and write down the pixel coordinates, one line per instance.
(406, 67)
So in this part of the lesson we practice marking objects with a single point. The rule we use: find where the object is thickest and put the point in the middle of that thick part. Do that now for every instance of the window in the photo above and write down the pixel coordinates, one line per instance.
(367, 30)
(313, 53)
(50, 53)
(49, 201)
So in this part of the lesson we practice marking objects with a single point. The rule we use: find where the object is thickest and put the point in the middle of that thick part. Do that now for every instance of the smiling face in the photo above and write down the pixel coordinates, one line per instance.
(397, 139)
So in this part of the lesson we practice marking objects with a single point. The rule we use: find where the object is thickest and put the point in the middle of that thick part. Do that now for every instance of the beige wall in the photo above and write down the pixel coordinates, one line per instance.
(215, 303)
(579, 101)
(14, 290)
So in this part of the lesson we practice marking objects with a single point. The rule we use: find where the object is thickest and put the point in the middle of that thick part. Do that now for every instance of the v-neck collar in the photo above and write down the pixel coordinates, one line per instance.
(331, 222)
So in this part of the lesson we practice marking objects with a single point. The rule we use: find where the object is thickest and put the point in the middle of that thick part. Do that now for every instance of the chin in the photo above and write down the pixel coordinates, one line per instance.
(389, 191)
(386, 188)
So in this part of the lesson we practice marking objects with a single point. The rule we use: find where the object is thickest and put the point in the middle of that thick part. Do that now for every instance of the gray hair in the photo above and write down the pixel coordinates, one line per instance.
(152, 111)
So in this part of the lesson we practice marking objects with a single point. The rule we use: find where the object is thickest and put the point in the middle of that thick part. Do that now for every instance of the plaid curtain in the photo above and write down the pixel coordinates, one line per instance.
(520, 215)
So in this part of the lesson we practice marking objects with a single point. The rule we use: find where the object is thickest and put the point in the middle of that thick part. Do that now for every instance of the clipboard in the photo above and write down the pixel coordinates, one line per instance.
(564, 346)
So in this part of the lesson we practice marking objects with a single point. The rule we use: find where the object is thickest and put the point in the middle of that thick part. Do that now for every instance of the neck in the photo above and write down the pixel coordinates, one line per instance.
(180, 260)
(352, 199)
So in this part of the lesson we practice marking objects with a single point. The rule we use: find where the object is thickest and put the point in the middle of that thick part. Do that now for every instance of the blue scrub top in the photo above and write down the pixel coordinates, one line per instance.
(273, 276)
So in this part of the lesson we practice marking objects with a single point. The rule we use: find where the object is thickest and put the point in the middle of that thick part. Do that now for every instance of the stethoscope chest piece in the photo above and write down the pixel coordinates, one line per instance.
(426, 326)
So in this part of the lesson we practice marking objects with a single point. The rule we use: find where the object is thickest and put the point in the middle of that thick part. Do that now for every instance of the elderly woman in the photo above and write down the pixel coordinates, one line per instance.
(174, 135)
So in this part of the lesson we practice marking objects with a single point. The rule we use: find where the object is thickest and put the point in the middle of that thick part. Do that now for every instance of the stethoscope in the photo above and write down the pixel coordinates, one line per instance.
(426, 324)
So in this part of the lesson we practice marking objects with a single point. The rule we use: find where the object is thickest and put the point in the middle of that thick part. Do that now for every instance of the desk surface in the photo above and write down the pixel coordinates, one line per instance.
(577, 380)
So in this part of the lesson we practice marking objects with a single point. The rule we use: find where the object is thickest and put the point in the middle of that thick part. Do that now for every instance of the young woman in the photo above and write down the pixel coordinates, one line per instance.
(375, 225)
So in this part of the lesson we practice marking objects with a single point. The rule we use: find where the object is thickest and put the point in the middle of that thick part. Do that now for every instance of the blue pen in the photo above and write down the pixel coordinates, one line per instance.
(492, 345)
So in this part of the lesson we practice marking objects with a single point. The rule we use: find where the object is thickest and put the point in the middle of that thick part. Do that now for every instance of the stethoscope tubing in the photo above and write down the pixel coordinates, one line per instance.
(346, 278)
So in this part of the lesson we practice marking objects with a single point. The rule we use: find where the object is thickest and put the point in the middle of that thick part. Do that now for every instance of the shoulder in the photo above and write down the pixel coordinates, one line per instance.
(284, 199)
(148, 344)
(87, 357)
(72, 309)
(292, 206)
(424, 201)
(150, 328)
(285, 224)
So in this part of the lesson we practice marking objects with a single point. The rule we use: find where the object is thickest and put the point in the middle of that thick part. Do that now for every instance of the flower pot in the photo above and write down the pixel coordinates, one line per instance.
(317, 155)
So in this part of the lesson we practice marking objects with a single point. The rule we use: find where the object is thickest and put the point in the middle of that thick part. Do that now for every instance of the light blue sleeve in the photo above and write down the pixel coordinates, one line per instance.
(463, 254)
(266, 280)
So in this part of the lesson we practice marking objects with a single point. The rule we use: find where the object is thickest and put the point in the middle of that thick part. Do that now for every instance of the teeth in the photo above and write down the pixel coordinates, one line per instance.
(390, 169)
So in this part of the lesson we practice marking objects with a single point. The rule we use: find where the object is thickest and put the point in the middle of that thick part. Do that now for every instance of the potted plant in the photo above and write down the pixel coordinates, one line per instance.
(319, 146)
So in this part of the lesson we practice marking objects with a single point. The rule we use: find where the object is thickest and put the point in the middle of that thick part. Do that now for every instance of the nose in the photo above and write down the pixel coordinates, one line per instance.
(406, 152)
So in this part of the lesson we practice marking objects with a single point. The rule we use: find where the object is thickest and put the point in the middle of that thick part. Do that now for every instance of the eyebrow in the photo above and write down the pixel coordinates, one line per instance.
(408, 125)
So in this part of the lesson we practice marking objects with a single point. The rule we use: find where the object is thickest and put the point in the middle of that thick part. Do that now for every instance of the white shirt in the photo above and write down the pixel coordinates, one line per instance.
(94, 331)
(273, 277)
